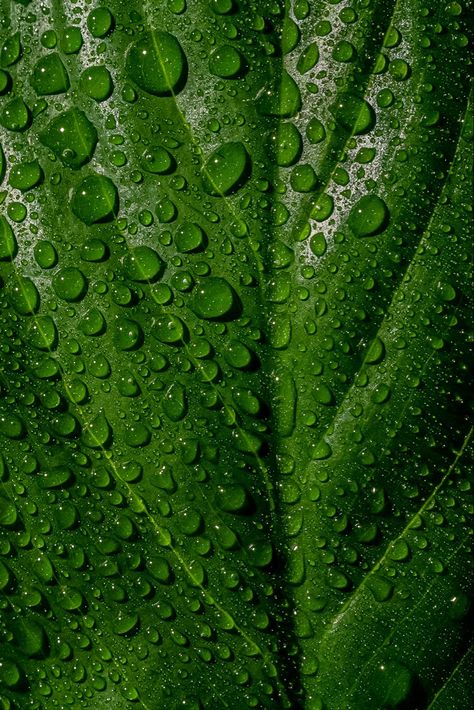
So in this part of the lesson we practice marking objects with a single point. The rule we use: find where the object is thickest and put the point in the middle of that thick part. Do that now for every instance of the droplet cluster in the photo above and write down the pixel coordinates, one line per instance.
(233, 249)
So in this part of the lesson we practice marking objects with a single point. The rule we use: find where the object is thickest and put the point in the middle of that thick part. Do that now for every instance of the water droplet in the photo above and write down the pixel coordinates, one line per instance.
(95, 200)
(238, 355)
(189, 237)
(94, 250)
(24, 296)
(8, 511)
(226, 169)
(71, 137)
(354, 114)
(166, 211)
(97, 433)
(323, 208)
(381, 393)
(214, 298)
(399, 69)
(169, 329)
(174, 402)
(8, 243)
(71, 40)
(25, 176)
(100, 22)
(323, 394)
(157, 63)
(303, 178)
(157, 159)
(49, 76)
(344, 51)
(226, 62)
(260, 553)
(399, 550)
(308, 58)
(380, 587)
(16, 115)
(93, 323)
(232, 499)
(125, 623)
(322, 450)
(288, 144)
(159, 569)
(143, 264)
(369, 216)
(375, 352)
(42, 333)
(11, 676)
(128, 334)
(315, 131)
(283, 100)
(70, 284)
(97, 83)
(137, 435)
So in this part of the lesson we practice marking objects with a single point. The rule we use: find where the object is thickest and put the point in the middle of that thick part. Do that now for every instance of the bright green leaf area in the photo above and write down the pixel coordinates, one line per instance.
(235, 445)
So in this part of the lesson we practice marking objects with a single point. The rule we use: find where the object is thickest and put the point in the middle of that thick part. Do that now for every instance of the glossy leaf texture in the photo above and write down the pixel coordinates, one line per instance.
(235, 354)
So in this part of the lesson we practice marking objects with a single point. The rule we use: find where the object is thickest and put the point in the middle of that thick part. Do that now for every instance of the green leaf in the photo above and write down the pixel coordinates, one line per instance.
(235, 366)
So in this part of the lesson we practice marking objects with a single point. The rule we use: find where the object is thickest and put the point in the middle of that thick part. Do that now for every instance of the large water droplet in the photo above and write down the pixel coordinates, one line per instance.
(215, 298)
(226, 62)
(71, 137)
(95, 200)
(143, 264)
(369, 216)
(157, 63)
(8, 244)
(49, 76)
(70, 284)
(226, 169)
(97, 83)
(288, 144)
(282, 100)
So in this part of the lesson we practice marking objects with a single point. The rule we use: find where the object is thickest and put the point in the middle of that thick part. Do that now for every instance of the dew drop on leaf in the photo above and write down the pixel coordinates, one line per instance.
(4, 81)
(71, 40)
(369, 216)
(8, 243)
(226, 169)
(97, 83)
(169, 329)
(95, 200)
(303, 178)
(143, 264)
(157, 63)
(50, 76)
(282, 100)
(100, 22)
(157, 159)
(16, 115)
(43, 333)
(189, 237)
(308, 58)
(25, 176)
(226, 62)
(24, 296)
(128, 334)
(71, 137)
(214, 298)
(70, 284)
(288, 144)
